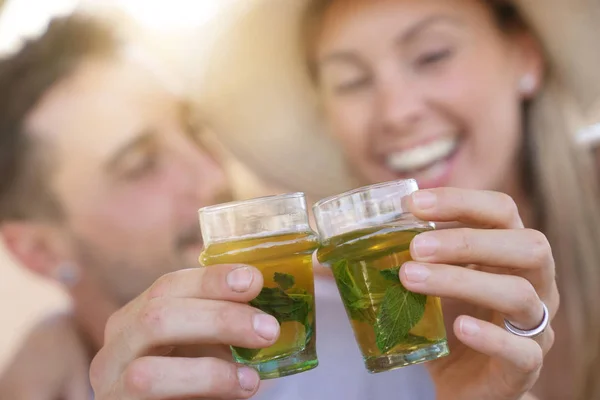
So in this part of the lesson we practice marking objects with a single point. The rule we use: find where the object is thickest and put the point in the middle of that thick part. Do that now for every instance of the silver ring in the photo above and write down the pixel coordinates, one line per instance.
(533, 333)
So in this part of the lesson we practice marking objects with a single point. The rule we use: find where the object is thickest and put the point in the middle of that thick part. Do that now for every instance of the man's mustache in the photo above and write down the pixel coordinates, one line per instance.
(191, 237)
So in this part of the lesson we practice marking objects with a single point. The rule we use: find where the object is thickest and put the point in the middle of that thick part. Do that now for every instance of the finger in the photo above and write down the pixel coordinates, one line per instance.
(516, 248)
(236, 283)
(484, 209)
(510, 295)
(184, 321)
(522, 251)
(240, 283)
(170, 378)
(519, 359)
(192, 321)
(449, 225)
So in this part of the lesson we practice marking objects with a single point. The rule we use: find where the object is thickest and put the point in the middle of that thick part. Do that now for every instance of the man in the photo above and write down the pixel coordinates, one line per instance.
(102, 175)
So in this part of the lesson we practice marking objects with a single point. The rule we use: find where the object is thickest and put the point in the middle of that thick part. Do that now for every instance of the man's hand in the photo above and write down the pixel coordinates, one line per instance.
(200, 306)
(50, 365)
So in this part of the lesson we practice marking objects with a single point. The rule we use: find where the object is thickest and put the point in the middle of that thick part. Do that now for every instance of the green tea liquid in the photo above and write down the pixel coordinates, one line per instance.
(285, 262)
(393, 327)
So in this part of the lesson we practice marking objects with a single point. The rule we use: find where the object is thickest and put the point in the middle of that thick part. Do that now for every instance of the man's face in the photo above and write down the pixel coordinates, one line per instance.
(129, 172)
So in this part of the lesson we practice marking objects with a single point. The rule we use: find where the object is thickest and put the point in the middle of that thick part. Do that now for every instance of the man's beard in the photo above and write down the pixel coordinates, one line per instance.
(190, 237)
(121, 277)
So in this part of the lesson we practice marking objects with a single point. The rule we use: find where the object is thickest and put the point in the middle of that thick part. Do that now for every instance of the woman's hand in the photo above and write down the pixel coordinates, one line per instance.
(491, 270)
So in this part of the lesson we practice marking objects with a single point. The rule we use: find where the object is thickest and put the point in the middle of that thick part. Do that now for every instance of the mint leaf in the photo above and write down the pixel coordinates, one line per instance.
(360, 297)
(391, 274)
(400, 311)
(414, 340)
(284, 307)
(362, 303)
(348, 288)
(295, 305)
(358, 304)
(300, 309)
(285, 281)
(366, 314)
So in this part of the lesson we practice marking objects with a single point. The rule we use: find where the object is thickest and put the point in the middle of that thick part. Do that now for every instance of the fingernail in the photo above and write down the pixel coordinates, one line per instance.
(240, 279)
(416, 273)
(469, 327)
(425, 245)
(424, 199)
(248, 378)
(266, 326)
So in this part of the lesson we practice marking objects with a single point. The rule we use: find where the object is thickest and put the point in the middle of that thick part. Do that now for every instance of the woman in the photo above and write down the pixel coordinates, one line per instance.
(482, 96)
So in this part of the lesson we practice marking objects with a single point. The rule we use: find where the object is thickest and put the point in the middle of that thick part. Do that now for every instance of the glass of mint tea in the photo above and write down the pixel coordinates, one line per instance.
(365, 238)
(272, 234)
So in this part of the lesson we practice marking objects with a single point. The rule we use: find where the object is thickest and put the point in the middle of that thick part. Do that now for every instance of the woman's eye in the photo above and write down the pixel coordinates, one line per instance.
(352, 85)
(434, 57)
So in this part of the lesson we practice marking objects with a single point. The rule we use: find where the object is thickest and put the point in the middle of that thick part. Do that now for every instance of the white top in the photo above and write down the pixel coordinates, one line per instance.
(341, 374)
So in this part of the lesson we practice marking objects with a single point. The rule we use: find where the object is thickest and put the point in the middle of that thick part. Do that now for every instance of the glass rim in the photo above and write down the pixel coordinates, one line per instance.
(362, 189)
(252, 201)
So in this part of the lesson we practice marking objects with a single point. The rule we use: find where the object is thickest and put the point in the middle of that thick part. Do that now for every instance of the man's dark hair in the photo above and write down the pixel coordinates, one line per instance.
(25, 77)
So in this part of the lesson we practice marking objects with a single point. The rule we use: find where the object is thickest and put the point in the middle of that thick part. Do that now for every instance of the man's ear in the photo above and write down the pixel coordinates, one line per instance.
(36, 246)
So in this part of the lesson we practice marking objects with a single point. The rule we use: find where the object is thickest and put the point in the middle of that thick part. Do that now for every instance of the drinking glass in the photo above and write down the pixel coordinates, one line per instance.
(365, 238)
(272, 234)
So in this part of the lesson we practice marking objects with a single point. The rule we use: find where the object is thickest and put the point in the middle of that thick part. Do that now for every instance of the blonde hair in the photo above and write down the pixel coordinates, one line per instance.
(561, 180)
(566, 193)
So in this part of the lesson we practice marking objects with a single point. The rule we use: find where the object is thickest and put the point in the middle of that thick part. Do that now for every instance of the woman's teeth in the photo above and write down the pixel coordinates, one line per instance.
(419, 157)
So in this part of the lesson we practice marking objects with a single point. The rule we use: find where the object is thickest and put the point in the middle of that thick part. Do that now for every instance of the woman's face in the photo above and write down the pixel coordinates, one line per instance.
(425, 89)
